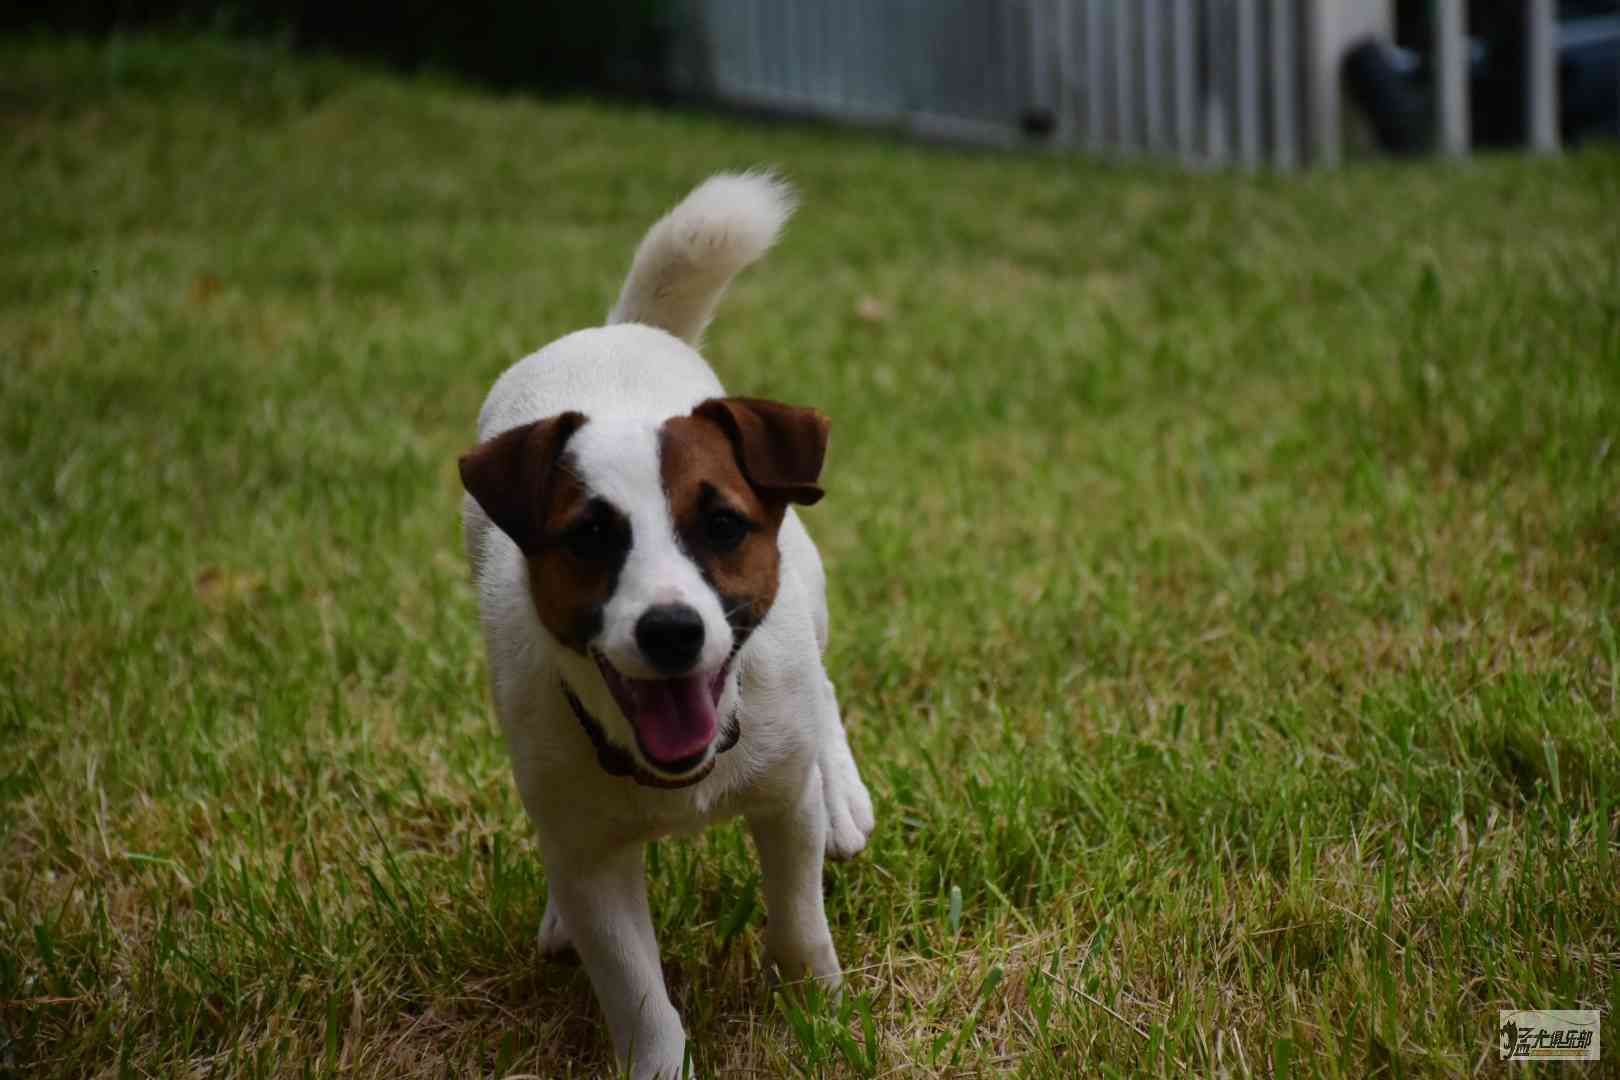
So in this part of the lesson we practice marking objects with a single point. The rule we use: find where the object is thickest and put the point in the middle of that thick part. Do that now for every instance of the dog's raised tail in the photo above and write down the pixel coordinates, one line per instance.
(689, 256)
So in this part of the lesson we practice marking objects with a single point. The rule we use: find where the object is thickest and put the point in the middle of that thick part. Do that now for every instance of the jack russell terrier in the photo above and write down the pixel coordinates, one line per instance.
(655, 616)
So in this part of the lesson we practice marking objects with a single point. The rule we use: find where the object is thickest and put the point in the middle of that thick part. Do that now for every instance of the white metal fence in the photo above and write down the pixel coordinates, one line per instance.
(1250, 82)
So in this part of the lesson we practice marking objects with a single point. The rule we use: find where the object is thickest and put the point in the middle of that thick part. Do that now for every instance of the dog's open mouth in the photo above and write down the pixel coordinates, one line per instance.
(675, 720)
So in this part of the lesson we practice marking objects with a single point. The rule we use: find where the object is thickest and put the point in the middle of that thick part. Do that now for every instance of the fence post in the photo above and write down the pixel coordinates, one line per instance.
(1153, 74)
(1185, 81)
(1284, 86)
(1124, 82)
(1217, 94)
(1451, 76)
(1094, 76)
(1248, 82)
(1065, 72)
(1331, 27)
(1042, 21)
(1541, 76)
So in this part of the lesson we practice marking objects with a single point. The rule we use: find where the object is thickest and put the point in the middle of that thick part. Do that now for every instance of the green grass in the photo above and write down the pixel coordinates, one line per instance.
(1225, 578)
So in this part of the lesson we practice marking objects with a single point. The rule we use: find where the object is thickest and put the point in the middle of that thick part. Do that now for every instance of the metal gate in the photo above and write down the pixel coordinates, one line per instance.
(1208, 82)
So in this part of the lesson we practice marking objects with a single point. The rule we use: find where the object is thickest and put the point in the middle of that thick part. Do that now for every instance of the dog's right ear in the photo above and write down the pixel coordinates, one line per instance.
(512, 475)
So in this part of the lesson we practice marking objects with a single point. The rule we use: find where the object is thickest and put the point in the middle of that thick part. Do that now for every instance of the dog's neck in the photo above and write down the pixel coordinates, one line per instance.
(616, 761)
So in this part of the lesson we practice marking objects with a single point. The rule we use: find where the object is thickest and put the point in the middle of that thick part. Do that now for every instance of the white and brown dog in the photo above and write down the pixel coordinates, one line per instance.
(655, 616)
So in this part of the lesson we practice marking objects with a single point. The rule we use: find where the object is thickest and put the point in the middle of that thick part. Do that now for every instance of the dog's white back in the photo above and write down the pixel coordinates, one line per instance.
(655, 614)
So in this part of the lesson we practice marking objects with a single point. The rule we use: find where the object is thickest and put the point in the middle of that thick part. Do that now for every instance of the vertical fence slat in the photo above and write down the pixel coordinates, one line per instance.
(812, 34)
(1541, 76)
(1248, 82)
(781, 40)
(711, 61)
(864, 37)
(1322, 79)
(1185, 80)
(1206, 80)
(749, 78)
(1217, 92)
(890, 72)
(969, 50)
(812, 23)
(1066, 121)
(1041, 20)
(843, 53)
(837, 55)
(1153, 73)
(817, 56)
(802, 34)
(790, 39)
(915, 79)
(1008, 30)
(923, 67)
(1095, 135)
(1124, 83)
(887, 82)
(1451, 75)
(855, 36)
(1284, 86)
(772, 79)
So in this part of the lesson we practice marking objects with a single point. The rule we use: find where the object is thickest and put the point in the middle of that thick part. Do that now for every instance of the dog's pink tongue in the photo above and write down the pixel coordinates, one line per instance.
(675, 718)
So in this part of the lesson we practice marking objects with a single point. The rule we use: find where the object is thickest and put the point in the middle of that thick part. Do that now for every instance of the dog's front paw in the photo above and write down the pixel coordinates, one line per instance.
(670, 1064)
(849, 805)
(555, 944)
(790, 963)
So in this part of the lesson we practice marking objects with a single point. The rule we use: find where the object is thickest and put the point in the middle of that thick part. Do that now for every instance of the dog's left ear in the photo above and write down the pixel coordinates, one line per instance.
(779, 447)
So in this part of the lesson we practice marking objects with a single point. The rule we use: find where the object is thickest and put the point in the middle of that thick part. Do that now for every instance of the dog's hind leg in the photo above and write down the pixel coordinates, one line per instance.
(849, 805)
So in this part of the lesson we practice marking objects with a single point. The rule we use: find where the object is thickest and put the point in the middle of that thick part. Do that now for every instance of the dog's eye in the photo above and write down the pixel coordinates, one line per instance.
(594, 540)
(724, 530)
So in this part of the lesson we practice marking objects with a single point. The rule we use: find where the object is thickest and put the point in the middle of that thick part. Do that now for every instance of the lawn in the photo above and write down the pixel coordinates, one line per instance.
(1225, 575)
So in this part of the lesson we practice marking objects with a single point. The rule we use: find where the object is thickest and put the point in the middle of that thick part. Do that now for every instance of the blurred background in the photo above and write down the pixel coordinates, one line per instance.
(1283, 82)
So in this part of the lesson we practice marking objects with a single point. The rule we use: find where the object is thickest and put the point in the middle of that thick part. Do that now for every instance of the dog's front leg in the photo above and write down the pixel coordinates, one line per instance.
(602, 902)
(849, 806)
(791, 844)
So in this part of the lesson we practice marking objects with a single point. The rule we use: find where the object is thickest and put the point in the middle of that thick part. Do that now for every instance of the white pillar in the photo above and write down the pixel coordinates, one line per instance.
(1284, 85)
(1041, 22)
(1541, 76)
(1185, 80)
(1450, 76)
(1124, 79)
(1067, 122)
(1248, 82)
(1095, 136)
(1153, 74)
(1331, 27)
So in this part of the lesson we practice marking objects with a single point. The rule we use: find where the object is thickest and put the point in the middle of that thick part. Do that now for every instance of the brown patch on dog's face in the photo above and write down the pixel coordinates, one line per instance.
(575, 567)
(722, 523)
(574, 545)
(729, 471)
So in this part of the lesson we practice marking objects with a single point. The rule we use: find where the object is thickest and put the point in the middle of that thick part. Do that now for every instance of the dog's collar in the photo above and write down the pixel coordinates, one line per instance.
(616, 761)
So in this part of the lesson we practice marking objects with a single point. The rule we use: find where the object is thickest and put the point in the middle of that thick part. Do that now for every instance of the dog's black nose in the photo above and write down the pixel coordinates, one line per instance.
(670, 636)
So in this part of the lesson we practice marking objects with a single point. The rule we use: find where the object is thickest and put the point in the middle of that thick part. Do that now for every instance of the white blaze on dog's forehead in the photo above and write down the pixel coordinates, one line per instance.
(617, 459)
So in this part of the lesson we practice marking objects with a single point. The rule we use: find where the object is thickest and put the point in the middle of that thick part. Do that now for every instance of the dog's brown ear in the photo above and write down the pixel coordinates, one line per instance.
(512, 475)
(780, 447)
